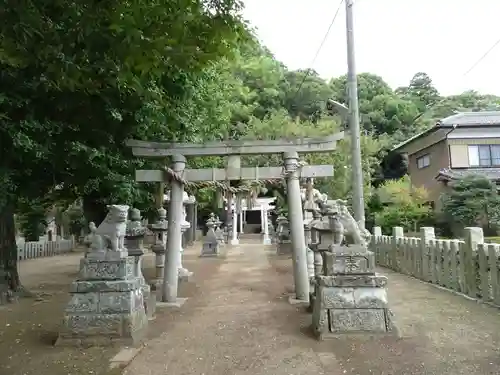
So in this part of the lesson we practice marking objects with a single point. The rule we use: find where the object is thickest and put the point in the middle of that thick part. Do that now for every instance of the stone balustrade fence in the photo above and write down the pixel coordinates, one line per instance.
(468, 266)
(39, 249)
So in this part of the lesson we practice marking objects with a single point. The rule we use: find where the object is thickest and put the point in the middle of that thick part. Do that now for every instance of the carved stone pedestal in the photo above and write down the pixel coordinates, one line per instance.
(106, 304)
(350, 298)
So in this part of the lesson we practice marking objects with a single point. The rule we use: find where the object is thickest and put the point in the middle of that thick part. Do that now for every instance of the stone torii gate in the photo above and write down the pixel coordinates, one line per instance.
(179, 176)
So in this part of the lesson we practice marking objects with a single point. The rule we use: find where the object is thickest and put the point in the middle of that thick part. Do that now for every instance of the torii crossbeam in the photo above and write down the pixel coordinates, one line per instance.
(242, 147)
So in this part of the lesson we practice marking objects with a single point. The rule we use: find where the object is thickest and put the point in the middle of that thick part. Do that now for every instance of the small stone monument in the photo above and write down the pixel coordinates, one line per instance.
(349, 296)
(159, 230)
(106, 304)
(210, 243)
(135, 236)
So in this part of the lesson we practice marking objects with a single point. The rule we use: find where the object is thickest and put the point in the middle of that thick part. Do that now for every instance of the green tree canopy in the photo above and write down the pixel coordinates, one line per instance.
(78, 78)
(472, 201)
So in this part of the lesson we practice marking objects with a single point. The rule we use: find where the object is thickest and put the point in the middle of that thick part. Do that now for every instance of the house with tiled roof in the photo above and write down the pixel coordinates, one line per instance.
(458, 145)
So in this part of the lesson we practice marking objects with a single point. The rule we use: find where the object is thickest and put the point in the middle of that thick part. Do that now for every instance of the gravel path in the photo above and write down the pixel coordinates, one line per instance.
(238, 322)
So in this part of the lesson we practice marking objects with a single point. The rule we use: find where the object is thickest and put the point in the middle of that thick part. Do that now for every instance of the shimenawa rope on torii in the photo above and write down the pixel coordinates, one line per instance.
(248, 186)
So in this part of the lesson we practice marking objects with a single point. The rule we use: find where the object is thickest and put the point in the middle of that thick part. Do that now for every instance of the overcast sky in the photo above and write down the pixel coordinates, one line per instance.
(394, 39)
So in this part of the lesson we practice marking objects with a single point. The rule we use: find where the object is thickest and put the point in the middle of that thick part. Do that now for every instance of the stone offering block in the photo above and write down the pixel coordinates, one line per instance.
(106, 305)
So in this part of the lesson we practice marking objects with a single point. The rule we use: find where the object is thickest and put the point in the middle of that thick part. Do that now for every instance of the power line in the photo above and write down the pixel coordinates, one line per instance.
(325, 37)
(482, 57)
(473, 66)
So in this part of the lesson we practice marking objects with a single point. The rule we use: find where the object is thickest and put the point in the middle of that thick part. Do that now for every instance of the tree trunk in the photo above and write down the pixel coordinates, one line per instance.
(94, 209)
(10, 285)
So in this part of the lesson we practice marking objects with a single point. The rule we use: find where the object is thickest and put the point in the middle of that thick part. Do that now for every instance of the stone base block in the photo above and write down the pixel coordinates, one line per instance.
(186, 278)
(149, 299)
(210, 249)
(359, 320)
(351, 304)
(342, 322)
(105, 311)
(215, 255)
(150, 306)
(312, 298)
(178, 303)
(292, 300)
(332, 323)
(284, 248)
(81, 329)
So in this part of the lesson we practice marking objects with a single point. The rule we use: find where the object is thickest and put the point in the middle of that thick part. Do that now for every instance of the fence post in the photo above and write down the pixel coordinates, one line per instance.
(454, 265)
(415, 259)
(494, 272)
(376, 248)
(426, 234)
(397, 235)
(446, 274)
(473, 237)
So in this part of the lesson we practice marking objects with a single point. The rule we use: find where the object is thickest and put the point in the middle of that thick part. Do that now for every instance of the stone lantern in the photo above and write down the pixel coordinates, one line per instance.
(159, 229)
(219, 233)
(283, 235)
(134, 236)
(210, 242)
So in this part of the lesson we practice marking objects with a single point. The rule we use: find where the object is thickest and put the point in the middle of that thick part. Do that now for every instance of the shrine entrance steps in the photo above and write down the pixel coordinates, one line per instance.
(251, 238)
(238, 321)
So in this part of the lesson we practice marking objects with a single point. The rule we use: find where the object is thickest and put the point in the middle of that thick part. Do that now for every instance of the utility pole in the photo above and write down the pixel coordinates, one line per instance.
(358, 202)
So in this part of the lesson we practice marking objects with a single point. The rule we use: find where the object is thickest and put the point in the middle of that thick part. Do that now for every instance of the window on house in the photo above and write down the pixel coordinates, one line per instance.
(423, 161)
(484, 155)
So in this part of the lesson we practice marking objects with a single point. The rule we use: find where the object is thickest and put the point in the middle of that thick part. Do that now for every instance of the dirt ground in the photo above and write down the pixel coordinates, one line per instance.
(29, 328)
(237, 321)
